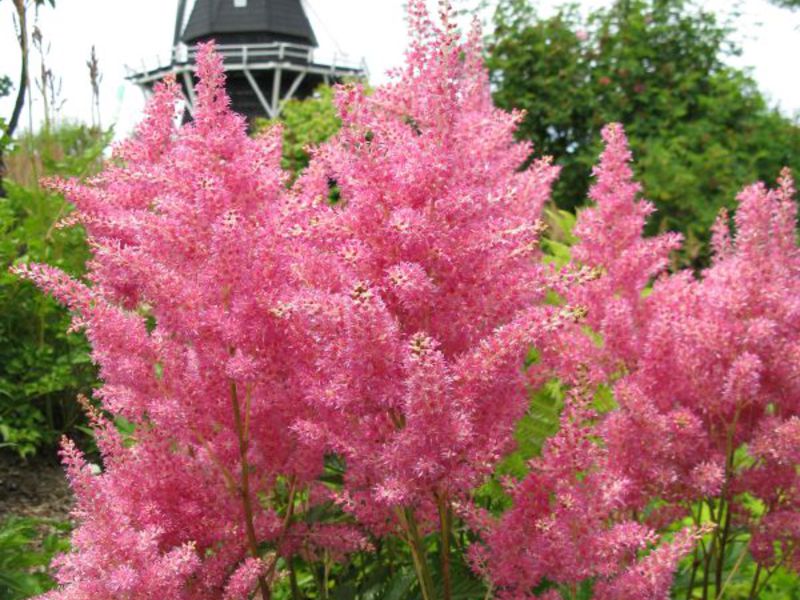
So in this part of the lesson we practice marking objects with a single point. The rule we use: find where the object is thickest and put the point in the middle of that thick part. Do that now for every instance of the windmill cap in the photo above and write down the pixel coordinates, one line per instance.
(249, 21)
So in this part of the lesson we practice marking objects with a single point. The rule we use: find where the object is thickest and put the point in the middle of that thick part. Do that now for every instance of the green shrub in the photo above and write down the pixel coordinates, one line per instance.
(26, 548)
(42, 367)
(305, 123)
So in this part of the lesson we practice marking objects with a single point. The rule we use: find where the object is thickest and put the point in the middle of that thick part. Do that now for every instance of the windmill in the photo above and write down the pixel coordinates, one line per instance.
(268, 49)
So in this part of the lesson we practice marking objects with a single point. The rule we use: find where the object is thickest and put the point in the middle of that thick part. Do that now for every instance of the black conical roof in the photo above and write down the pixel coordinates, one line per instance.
(249, 21)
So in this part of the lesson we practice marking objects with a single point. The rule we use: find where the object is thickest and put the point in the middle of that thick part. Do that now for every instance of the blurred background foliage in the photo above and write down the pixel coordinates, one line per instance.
(26, 548)
(699, 128)
(791, 4)
(305, 123)
(42, 367)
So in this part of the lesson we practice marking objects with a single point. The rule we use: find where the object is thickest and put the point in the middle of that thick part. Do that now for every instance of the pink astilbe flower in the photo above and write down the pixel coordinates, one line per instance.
(320, 542)
(569, 524)
(245, 579)
(722, 350)
(378, 315)
(194, 261)
(701, 368)
(702, 363)
(610, 241)
(651, 577)
(443, 293)
(247, 330)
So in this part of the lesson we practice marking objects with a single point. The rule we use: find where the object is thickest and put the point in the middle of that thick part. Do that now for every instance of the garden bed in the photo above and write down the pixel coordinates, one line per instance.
(33, 488)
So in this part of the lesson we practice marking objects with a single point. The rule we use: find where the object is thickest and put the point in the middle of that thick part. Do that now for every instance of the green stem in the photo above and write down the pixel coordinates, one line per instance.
(733, 572)
(763, 584)
(287, 521)
(712, 548)
(699, 548)
(724, 502)
(318, 581)
(722, 544)
(326, 574)
(244, 487)
(409, 522)
(789, 551)
(296, 594)
(693, 576)
(754, 586)
(445, 522)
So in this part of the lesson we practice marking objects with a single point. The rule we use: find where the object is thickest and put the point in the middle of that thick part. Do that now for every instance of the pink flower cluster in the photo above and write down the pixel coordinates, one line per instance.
(706, 380)
(251, 331)
(194, 261)
(438, 234)
(571, 524)
(248, 330)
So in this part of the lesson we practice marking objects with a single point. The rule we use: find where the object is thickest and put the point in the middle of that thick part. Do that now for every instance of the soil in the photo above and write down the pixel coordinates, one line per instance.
(35, 488)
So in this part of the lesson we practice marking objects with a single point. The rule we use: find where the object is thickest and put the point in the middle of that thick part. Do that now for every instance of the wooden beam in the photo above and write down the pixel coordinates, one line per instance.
(276, 89)
(179, 22)
(192, 98)
(290, 94)
(259, 94)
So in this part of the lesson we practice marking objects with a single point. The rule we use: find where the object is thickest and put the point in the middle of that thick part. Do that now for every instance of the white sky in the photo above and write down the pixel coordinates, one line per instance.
(128, 32)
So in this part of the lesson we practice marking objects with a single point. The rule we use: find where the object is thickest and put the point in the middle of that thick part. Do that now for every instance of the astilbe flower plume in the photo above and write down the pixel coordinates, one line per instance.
(717, 374)
(378, 313)
(568, 524)
(247, 330)
(438, 230)
(733, 337)
(610, 241)
(193, 260)
(705, 377)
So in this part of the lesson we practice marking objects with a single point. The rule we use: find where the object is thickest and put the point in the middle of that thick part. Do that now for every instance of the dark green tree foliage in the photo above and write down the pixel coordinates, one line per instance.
(700, 129)
(42, 368)
(790, 4)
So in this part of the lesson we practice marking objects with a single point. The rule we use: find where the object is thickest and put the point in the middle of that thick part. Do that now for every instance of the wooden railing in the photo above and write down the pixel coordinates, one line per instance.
(253, 54)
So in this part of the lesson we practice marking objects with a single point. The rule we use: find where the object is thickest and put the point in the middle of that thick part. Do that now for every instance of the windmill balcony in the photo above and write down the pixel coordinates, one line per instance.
(261, 77)
(254, 57)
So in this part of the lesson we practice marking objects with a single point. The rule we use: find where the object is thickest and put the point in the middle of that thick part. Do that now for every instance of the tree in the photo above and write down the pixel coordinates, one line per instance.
(790, 4)
(696, 124)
